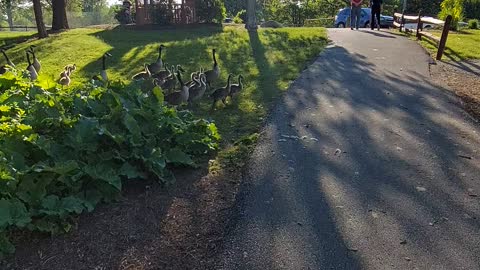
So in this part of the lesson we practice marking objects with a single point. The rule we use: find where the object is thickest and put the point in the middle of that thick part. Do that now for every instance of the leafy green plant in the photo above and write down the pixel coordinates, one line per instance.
(211, 11)
(241, 17)
(473, 24)
(62, 153)
(454, 8)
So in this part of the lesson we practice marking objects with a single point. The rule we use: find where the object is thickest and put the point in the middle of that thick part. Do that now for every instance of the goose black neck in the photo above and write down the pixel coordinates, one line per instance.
(159, 53)
(179, 76)
(104, 58)
(28, 60)
(6, 56)
(214, 58)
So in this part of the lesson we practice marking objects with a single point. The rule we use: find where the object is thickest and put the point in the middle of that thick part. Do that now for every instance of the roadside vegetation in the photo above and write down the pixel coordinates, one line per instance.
(66, 149)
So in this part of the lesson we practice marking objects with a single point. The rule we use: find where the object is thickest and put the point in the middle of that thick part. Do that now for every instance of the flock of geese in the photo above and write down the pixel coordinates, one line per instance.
(169, 79)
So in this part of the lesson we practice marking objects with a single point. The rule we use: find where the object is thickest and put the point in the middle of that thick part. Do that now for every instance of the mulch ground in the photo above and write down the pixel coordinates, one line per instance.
(463, 78)
(151, 227)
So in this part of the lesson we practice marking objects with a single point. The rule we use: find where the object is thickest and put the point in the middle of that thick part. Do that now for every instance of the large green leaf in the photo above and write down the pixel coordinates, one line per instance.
(178, 156)
(105, 171)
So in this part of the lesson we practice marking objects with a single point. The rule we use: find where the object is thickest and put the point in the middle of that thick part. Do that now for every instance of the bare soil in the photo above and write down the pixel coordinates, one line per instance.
(463, 78)
(151, 227)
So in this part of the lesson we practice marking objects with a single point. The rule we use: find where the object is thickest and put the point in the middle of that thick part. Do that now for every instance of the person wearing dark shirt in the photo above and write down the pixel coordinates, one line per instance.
(376, 6)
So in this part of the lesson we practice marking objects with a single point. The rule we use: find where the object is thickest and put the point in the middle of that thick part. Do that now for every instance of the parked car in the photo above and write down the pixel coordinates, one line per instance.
(343, 18)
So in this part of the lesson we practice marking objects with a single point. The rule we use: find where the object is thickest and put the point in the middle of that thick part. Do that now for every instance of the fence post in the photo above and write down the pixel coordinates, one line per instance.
(402, 21)
(443, 39)
(419, 25)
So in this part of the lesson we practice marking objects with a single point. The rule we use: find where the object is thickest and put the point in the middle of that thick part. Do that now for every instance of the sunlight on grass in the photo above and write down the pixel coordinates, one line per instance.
(269, 60)
(460, 45)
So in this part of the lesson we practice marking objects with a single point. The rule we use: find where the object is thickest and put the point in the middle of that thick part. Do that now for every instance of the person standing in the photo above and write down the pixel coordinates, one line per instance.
(355, 13)
(376, 6)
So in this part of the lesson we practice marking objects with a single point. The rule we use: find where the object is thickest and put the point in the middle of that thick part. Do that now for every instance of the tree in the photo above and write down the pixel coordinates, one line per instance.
(60, 21)
(6, 6)
(37, 8)
(251, 15)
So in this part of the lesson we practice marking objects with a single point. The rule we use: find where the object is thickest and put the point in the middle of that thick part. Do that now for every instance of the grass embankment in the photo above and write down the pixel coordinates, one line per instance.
(7, 37)
(269, 60)
(460, 46)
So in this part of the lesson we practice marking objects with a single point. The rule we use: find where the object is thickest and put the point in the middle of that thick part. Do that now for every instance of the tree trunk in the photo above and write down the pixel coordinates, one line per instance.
(8, 5)
(251, 15)
(37, 8)
(59, 10)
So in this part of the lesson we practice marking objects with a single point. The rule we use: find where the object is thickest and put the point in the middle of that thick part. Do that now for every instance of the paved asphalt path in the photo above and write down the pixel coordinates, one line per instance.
(386, 177)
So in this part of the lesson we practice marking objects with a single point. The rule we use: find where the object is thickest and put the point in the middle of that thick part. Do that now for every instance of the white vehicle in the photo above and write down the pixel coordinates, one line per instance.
(426, 26)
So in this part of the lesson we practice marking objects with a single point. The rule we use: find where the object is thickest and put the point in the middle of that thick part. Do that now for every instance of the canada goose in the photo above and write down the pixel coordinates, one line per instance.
(144, 75)
(197, 91)
(103, 73)
(36, 63)
(236, 88)
(180, 97)
(9, 62)
(4, 68)
(222, 93)
(192, 81)
(162, 75)
(68, 70)
(171, 82)
(158, 65)
(30, 68)
(65, 79)
(213, 74)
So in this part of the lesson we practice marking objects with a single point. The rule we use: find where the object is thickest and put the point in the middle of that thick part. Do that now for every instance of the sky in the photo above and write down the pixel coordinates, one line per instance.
(113, 2)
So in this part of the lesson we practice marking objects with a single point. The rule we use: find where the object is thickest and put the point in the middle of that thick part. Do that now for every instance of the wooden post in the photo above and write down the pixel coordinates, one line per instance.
(443, 39)
(402, 22)
(419, 25)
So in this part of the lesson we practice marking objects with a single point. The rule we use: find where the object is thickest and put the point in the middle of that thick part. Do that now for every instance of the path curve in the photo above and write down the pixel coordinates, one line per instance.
(380, 169)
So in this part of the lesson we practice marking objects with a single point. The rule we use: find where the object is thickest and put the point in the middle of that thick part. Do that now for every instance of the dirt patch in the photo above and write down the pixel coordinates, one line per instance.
(151, 227)
(463, 78)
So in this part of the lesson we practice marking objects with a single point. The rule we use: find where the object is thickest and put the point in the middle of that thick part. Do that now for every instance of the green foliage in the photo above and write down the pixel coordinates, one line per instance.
(473, 24)
(472, 9)
(234, 6)
(454, 8)
(211, 11)
(161, 13)
(327, 22)
(62, 153)
(241, 17)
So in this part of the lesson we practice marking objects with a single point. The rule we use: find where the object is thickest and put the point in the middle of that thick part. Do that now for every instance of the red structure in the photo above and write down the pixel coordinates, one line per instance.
(182, 11)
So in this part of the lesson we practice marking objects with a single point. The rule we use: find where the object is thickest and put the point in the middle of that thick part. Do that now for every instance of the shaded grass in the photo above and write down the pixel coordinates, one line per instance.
(7, 37)
(268, 59)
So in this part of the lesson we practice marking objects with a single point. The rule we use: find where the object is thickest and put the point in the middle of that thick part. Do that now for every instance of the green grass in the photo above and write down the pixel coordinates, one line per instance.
(460, 45)
(7, 37)
(269, 60)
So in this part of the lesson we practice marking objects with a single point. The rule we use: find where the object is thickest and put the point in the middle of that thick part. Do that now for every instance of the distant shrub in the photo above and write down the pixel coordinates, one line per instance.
(473, 24)
(271, 24)
(241, 17)
(325, 22)
(454, 8)
(211, 11)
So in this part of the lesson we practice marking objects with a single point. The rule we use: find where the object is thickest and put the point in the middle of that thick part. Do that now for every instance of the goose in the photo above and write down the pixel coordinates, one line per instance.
(197, 91)
(236, 88)
(103, 73)
(180, 97)
(4, 68)
(213, 74)
(68, 70)
(222, 92)
(171, 82)
(36, 63)
(30, 68)
(158, 65)
(65, 80)
(192, 81)
(9, 62)
(144, 75)
(162, 75)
